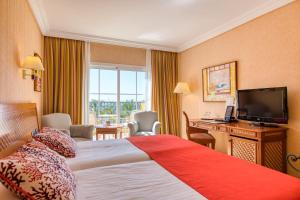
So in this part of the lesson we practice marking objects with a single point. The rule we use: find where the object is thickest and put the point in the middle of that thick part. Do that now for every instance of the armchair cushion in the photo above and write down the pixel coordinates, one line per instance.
(145, 120)
(57, 120)
(82, 131)
(144, 133)
(62, 122)
(145, 123)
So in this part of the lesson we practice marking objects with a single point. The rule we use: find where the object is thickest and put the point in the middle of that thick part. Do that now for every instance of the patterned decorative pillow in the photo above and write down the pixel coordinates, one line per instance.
(37, 173)
(49, 130)
(33, 145)
(57, 141)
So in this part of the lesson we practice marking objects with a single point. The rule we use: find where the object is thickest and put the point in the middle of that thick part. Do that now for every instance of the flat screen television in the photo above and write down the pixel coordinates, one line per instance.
(266, 105)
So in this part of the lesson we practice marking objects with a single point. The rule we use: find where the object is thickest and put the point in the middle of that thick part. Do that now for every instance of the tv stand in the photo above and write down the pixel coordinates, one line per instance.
(258, 144)
(262, 124)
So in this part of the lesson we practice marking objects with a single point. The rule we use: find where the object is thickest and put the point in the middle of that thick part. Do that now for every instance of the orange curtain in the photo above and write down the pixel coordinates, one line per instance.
(164, 80)
(64, 60)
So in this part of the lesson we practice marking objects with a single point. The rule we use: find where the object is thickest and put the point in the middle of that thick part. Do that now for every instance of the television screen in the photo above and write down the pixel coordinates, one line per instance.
(263, 105)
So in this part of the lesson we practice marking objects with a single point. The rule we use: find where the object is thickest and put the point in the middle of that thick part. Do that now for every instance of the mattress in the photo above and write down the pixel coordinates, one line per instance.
(92, 154)
(141, 180)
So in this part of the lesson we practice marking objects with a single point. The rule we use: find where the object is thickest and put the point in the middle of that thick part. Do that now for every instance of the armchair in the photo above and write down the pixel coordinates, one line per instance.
(144, 124)
(63, 122)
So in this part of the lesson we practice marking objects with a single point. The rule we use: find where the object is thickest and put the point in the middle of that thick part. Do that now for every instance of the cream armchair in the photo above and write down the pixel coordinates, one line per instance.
(63, 122)
(144, 124)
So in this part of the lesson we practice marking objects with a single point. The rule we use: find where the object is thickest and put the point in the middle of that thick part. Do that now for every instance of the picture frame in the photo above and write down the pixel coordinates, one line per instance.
(219, 82)
(37, 83)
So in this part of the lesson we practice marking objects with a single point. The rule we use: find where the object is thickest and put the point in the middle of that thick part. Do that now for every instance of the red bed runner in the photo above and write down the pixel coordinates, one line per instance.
(216, 175)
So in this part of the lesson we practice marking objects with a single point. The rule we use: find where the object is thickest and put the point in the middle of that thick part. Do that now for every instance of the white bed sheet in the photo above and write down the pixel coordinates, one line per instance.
(100, 143)
(92, 154)
(141, 180)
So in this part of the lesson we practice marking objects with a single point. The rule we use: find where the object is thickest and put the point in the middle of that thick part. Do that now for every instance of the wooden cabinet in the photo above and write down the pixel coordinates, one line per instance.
(262, 145)
(244, 149)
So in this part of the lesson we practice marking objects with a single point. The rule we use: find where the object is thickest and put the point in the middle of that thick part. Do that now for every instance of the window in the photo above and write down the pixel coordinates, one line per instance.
(114, 93)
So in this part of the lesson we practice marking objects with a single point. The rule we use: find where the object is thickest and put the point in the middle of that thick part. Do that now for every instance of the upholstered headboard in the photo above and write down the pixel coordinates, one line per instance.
(17, 121)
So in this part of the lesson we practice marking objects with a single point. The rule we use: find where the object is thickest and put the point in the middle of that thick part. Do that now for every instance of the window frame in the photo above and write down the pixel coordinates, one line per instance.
(118, 68)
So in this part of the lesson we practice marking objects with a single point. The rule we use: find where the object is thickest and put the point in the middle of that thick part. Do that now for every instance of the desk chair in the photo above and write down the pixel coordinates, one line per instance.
(199, 135)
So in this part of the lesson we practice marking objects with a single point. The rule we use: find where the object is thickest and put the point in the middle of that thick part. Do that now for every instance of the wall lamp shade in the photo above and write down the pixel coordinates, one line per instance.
(33, 62)
(182, 88)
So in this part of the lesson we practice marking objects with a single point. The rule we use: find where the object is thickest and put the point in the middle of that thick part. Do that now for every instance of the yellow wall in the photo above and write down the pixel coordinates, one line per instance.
(20, 36)
(268, 53)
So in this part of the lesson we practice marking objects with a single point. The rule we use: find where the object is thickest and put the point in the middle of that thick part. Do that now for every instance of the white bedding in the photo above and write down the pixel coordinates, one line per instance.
(101, 143)
(141, 180)
(92, 154)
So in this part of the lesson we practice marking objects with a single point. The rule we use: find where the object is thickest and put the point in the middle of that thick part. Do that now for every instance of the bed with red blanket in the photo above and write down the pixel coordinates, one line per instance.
(179, 169)
(215, 175)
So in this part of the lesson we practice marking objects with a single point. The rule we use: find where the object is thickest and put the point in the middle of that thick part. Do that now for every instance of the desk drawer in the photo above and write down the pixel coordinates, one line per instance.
(205, 126)
(222, 129)
(243, 133)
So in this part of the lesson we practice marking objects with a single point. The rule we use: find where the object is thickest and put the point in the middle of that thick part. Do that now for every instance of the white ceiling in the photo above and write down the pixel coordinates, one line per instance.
(173, 25)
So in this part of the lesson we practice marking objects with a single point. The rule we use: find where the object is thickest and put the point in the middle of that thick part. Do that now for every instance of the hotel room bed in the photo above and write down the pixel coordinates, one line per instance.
(179, 169)
(141, 180)
(103, 153)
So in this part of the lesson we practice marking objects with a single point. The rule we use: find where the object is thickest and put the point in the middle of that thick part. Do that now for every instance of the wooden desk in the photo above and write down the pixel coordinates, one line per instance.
(108, 130)
(262, 145)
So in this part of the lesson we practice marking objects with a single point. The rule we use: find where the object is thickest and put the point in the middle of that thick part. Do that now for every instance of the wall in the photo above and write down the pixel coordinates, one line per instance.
(20, 36)
(268, 53)
(105, 53)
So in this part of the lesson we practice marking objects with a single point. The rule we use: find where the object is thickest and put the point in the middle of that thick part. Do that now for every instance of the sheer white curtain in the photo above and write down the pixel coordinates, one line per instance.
(85, 84)
(148, 80)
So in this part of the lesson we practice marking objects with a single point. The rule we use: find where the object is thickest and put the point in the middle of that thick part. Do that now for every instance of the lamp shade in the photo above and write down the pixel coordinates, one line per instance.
(33, 62)
(182, 88)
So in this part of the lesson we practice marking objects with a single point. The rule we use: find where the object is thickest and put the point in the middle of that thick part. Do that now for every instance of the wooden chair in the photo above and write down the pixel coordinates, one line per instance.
(199, 135)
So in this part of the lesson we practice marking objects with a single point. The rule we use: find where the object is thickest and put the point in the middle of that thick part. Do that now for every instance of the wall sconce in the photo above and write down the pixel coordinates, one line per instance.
(182, 88)
(32, 66)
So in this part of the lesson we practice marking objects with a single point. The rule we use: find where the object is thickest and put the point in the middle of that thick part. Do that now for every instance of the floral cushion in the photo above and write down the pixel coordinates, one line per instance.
(35, 172)
(31, 146)
(57, 141)
(49, 130)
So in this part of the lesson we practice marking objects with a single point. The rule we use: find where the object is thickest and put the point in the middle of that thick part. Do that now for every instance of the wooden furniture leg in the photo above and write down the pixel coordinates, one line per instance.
(213, 144)
(121, 133)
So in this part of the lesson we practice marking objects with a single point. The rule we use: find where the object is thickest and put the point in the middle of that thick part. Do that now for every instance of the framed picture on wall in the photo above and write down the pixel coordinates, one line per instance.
(219, 82)
(37, 82)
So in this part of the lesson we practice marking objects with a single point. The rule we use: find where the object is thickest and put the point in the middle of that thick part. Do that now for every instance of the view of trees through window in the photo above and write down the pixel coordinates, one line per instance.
(114, 94)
